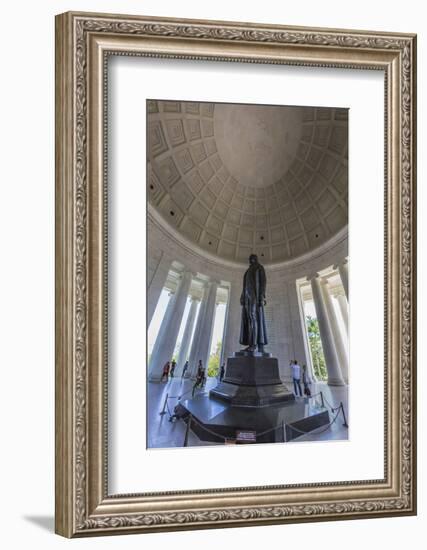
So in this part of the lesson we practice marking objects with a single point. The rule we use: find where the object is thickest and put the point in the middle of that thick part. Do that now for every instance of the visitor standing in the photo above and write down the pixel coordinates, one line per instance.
(296, 377)
(166, 370)
(184, 369)
(173, 366)
(199, 369)
(306, 381)
(199, 376)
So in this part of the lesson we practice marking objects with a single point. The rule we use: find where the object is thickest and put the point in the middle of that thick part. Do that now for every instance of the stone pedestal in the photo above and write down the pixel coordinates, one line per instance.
(252, 380)
(215, 420)
(251, 398)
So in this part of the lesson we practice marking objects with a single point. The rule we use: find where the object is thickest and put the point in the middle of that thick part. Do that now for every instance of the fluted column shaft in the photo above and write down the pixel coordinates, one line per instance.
(208, 325)
(193, 360)
(343, 271)
(332, 365)
(340, 345)
(166, 339)
(206, 329)
(342, 302)
(232, 322)
(156, 285)
(223, 357)
(188, 331)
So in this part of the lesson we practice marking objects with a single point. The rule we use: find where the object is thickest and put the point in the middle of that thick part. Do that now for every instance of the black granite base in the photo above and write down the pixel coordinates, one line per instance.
(252, 380)
(251, 404)
(214, 420)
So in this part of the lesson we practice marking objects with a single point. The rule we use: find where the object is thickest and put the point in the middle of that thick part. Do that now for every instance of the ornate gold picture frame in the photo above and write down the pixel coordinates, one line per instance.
(84, 42)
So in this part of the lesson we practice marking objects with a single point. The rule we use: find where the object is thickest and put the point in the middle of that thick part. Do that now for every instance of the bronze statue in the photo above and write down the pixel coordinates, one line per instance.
(253, 331)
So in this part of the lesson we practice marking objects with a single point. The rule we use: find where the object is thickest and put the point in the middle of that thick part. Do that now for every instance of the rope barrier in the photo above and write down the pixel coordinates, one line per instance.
(270, 430)
(163, 411)
(333, 408)
(179, 397)
(314, 431)
(185, 393)
(330, 406)
(169, 412)
(281, 425)
(208, 429)
(338, 409)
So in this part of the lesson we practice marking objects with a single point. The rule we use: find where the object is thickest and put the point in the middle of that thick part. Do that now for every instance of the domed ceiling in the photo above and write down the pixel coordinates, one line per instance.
(237, 179)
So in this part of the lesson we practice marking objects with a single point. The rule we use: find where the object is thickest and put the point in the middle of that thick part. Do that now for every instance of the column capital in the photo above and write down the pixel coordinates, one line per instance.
(186, 273)
(343, 271)
(312, 276)
(322, 304)
(340, 263)
(338, 291)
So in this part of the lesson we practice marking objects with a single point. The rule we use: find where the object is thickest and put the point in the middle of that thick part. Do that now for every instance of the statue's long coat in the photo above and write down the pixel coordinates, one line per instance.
(253, 330)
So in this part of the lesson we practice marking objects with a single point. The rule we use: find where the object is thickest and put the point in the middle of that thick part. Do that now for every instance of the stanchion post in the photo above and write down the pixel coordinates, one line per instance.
(163, 411)
(343, 415)
(321, 399)
(187, 431)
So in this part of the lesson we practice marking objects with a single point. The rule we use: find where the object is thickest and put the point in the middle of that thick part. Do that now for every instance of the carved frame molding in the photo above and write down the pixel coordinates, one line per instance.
(83, 43)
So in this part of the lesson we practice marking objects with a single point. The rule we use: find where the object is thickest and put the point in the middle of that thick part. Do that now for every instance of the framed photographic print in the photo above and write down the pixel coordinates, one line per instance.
(235, 274)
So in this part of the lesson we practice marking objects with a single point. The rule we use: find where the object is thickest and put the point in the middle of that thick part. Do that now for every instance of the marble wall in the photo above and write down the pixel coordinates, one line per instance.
(285, 329)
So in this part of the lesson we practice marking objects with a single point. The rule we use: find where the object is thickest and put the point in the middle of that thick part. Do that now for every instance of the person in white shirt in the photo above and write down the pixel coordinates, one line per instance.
(296, 377)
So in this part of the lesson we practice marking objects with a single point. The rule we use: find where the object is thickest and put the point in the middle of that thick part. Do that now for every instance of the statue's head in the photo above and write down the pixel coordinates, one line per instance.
(253, 259)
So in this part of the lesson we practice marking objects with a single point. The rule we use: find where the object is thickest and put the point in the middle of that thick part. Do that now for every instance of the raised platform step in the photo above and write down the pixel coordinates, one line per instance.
(213, 420)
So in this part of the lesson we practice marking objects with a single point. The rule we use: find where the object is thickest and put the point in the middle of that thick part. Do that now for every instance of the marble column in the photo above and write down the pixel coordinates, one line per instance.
(340, 345)
(206, 332)
(156, 285)
(193, 359)
(203, 333)
(342, 302)
(168, 333)
(223, 357)
(327, 338)
(343, 271)
(188, 331)
(298, 345)
(232, 324)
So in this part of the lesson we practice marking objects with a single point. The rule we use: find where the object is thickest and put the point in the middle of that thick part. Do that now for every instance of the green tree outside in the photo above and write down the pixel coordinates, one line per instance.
(318, 359)
(213, 364)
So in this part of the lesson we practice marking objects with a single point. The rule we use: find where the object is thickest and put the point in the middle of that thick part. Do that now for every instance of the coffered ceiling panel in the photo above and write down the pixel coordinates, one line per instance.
(237, 179)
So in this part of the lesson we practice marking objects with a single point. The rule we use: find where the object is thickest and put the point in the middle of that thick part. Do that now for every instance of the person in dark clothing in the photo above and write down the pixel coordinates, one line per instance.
(184, 369)
(221, 372)
(199, 369)
(173, 366)
(200, 376)
(306, 381)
